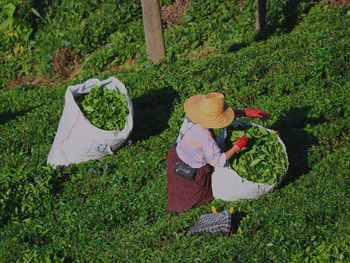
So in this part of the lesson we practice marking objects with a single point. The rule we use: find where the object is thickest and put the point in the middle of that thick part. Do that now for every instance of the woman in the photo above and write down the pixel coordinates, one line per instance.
(191, 160)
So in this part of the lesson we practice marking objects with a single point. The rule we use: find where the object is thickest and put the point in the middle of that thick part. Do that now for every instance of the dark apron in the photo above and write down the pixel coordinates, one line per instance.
(184, 193)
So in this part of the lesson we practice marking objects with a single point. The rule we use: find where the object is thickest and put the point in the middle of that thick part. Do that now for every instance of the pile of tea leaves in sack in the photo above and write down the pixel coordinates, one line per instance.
(105, 108)
(263, 160)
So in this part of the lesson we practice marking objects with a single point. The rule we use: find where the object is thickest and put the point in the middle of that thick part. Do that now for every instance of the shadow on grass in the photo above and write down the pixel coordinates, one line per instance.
(39, 6)
(297, 141)
(236, 219)
(61, 176)
(236, 47)
(8, 116)
(152, 112)
(290, 19)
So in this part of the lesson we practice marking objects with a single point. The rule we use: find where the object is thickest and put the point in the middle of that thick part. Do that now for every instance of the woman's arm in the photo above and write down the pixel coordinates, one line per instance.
(231, 152)
(237, 146)
(252, 113)
(239, 113)
(263, 115)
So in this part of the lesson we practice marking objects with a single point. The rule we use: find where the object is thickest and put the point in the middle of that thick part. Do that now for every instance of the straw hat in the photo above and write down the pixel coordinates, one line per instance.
(209, 111)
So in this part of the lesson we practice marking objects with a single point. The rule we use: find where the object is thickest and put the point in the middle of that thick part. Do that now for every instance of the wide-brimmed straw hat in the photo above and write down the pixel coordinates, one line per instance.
(209, 111)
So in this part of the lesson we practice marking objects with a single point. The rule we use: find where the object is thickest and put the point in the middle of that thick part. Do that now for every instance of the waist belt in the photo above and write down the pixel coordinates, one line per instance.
(185, 170)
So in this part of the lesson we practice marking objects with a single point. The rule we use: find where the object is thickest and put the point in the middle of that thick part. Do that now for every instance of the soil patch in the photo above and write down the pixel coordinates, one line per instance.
(340, 2)
(21, 80)
(65, 66)
(171, 14)
(205, 52)
(65, 63)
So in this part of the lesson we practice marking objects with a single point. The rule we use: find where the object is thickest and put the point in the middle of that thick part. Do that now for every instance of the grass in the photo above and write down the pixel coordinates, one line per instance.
(112, 210)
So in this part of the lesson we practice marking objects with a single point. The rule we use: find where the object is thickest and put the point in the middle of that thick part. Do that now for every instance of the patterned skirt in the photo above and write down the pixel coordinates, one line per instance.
(183, 193)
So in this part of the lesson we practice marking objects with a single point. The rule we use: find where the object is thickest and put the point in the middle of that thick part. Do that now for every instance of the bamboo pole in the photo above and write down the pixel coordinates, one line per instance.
(153, 30)
(261, 15)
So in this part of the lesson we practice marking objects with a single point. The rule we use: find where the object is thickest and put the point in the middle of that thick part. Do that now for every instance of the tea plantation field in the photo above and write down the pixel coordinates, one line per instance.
(297, 69)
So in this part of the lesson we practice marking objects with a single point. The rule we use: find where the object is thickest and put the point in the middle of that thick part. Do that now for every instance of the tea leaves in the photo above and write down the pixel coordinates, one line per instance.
(105, 108)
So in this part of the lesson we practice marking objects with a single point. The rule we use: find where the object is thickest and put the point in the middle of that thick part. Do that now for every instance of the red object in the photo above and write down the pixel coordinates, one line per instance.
(257, 113)
(231, 232)
(241, 142)
(183, 193)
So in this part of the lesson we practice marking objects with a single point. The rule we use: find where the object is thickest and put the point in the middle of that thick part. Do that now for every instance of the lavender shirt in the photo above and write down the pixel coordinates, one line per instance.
(197, 147)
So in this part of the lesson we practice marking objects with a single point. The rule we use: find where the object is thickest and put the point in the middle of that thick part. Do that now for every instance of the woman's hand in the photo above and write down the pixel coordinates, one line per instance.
(257, 113)
(237, 146)
(241, 142)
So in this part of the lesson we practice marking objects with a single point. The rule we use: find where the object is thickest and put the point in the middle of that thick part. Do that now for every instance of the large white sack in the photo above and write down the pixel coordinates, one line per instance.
(228, 185)
(77, 140)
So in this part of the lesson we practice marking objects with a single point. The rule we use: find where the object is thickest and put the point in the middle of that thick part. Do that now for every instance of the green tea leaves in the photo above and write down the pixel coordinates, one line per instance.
(257, 161)
(105, 108)
(263, 160)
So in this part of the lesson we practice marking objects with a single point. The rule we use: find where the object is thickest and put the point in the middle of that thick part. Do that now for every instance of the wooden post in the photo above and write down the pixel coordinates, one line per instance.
(260, 18)
(153, 30)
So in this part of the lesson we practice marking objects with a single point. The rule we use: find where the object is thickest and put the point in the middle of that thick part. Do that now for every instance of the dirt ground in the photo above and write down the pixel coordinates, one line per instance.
(65, 66)
(171, 14)
(340, 2)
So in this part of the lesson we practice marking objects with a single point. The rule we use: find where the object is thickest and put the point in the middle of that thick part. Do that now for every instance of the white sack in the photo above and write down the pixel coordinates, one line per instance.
(77, 140)
(228, 185)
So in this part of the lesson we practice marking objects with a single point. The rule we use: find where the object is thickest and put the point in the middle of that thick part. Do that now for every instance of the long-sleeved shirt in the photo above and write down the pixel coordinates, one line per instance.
(197, 148)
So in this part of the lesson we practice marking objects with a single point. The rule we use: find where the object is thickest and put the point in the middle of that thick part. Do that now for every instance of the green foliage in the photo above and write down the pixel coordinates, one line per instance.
(122, 46)
(16, 25)
(105, 108)
(263, 160)
(112, 210)
(18, 20)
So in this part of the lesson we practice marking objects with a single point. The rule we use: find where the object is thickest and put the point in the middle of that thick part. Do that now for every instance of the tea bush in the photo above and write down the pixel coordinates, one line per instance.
(112, 210)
